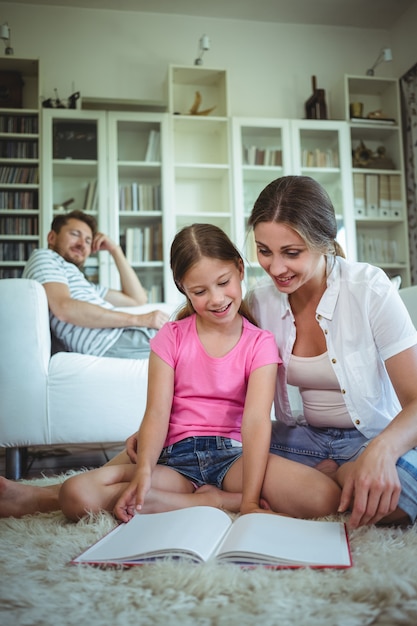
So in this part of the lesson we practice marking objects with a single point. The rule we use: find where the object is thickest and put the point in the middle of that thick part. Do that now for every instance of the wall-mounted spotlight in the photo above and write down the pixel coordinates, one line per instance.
(203, 46)
(384, 55)
(5, 34)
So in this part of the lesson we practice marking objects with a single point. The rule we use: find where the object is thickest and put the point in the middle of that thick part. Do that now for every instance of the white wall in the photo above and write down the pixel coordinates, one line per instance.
(117, 54)
(404, 41)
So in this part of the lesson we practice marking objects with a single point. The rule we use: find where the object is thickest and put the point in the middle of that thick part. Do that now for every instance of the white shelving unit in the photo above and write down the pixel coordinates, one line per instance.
(200, 150)
(261, 153)
(211, 168)
(75, 156)
(137, 196)
(316, 148)
(379, 206)
(20, 165)
(320, 149)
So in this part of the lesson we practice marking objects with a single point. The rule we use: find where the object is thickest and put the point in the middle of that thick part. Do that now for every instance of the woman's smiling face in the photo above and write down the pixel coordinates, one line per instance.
(284, 255)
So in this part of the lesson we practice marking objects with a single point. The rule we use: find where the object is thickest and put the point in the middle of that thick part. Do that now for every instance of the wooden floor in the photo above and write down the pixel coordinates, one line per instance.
(59, 459)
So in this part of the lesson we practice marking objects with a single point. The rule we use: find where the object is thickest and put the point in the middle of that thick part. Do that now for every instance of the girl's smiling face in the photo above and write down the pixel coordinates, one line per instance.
(284, 255)
(214, 289)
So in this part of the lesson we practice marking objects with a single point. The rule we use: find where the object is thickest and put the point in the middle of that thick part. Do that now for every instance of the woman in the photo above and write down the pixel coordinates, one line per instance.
(348, 346)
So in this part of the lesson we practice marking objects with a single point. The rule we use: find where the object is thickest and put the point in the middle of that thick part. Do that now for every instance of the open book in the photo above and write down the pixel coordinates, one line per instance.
(204, 533)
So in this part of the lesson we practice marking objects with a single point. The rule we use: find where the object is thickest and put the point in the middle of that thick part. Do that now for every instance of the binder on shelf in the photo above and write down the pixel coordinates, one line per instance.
(395, 195)
(371, 182)
(359, 194)
(384, 195)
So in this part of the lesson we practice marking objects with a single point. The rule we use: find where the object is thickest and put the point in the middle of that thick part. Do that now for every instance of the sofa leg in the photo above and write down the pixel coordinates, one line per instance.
(16, 461)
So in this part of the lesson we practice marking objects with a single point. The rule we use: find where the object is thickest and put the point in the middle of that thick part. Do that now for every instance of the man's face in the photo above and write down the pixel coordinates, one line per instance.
(73, 242)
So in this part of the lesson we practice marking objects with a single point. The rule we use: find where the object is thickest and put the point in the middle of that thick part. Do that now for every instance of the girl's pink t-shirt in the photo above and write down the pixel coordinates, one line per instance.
(209, 393)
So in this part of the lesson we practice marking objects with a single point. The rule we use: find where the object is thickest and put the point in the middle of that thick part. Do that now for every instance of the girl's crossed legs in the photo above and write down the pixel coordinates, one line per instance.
(289, 488)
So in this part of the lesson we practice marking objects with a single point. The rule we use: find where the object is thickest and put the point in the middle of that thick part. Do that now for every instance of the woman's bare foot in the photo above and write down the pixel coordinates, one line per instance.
(328, 467)
(18, 499)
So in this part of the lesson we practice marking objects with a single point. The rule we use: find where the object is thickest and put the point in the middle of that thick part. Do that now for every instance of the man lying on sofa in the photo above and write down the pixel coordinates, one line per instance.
(83, 316)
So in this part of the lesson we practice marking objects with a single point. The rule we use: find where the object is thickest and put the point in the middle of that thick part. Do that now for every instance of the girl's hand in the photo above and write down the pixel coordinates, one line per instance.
(371, 488)
(132, 499)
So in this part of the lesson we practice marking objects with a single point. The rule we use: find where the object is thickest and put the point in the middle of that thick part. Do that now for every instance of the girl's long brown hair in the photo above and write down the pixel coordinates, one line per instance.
(190, 245)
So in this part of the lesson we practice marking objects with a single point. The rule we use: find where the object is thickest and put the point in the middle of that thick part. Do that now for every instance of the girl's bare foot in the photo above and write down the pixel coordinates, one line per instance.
(212, 496)
(18, 499)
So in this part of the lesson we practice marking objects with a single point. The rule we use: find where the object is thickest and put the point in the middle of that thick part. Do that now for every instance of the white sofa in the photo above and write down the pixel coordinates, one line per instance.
(64, 399)
(67, 398)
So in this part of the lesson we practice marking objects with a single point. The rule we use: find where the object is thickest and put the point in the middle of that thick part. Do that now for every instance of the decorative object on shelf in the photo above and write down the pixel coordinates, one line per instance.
(365, 157)
(380, 116)
(195, 109)
(6, 34)
(315, 106)
(384, 55)
(63, 206)
(57, 103)
(356, 109)
(203, 46)
(75, 140)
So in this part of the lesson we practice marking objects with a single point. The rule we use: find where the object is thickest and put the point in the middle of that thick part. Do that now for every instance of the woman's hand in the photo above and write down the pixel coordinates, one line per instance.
(370, 486)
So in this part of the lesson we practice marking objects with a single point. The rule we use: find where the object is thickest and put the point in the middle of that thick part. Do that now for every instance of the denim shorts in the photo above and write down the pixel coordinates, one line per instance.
(203, 460)
(310, 445)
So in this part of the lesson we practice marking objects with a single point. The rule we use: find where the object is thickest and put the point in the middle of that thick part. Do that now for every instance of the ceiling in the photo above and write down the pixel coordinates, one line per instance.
(380, 14)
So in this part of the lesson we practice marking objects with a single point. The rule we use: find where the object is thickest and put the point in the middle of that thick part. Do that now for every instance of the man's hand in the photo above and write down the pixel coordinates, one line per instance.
(153, 319)
(103, 242)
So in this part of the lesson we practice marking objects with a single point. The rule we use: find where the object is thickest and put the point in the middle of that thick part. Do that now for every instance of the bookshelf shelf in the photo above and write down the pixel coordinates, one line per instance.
(20, 168)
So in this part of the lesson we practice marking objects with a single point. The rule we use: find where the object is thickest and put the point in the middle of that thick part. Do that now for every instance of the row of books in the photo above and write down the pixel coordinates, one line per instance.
(140, 197)
(19, 225)
(16, 200)
(252, 155)
(25, 124)
(16, 250)
(90, 198)
(377, 195)
(11, 272)
(19, 175)
(19, 149)
(376, 250)
(155, 293)
(143, 244)
(319, 158)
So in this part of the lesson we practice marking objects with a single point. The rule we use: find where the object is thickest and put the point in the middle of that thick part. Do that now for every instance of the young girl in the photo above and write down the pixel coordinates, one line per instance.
(205, 435)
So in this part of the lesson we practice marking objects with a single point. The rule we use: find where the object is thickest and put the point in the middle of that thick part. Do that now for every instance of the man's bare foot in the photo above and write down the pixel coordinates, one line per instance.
(328, 467)
(212, 496)
(18, 499)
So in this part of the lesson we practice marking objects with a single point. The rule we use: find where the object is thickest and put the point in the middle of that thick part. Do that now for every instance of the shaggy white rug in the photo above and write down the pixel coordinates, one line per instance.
(39, 587)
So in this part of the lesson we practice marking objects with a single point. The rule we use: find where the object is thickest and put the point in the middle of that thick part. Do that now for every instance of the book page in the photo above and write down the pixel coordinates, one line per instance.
(195, 532)
(274, 539)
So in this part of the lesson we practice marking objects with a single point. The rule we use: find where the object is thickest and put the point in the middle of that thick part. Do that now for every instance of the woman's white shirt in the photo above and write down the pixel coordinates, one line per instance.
(364, 321)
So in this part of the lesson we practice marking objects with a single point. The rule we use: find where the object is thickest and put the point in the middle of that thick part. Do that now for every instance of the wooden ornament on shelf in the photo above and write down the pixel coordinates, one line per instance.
(315, 107)
(195, 109)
